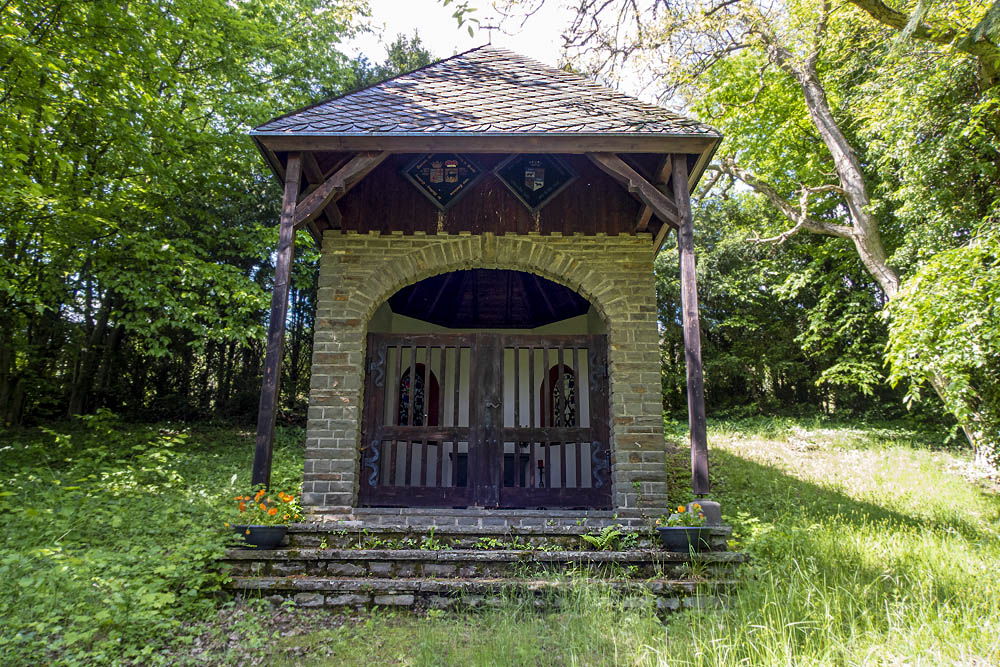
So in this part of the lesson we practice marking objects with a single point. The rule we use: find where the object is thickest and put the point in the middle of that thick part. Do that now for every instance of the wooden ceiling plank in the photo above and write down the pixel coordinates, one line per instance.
(545, 297)
(662, 205)
(441, 291)
(661, 237)
(336, 186)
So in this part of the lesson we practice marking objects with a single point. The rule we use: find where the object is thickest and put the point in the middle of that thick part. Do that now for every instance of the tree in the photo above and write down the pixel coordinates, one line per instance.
(946, 324)
(131, 214)
(405, 54)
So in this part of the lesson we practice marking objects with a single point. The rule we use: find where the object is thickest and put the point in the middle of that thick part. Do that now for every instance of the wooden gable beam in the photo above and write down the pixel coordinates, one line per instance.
(638, 187)
(660, 179)
(336, 186)
(316, 177)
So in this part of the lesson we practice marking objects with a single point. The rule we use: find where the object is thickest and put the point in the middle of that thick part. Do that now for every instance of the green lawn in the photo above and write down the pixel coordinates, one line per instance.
(870, 546)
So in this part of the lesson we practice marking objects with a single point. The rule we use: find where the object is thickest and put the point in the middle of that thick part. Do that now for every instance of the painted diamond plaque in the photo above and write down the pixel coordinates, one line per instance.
(535, 179)
(443, 177)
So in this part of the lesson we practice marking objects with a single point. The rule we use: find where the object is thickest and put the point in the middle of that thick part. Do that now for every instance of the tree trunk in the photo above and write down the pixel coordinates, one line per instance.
(84, 380)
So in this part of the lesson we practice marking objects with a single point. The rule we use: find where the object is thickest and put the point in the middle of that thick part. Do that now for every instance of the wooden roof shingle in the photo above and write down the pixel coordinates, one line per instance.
(484, 91)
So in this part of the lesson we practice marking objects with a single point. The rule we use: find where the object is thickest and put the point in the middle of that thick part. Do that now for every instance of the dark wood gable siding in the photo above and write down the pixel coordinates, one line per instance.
(385, 201)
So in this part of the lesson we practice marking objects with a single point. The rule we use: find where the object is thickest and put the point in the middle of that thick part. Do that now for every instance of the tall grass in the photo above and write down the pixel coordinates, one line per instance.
(869, 547)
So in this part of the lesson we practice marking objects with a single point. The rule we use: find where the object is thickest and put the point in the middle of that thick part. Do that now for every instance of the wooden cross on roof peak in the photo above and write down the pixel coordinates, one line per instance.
(489, 25)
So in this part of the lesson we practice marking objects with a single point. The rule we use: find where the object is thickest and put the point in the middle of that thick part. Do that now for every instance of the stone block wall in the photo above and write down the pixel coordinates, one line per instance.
(358, 272)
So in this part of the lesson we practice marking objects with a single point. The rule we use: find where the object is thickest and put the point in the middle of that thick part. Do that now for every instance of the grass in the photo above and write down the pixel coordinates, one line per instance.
(871, 545)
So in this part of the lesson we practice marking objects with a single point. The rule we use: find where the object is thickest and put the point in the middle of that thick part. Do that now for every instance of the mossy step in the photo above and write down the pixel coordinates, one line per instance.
(472, 564)
(563, 537)
(355, 592)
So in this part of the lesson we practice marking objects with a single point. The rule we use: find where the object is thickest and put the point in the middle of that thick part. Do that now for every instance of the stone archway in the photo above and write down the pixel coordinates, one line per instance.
(360, 271)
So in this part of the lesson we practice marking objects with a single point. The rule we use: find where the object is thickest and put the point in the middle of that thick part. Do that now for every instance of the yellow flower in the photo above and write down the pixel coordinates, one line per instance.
(696, 507)
(227, 524)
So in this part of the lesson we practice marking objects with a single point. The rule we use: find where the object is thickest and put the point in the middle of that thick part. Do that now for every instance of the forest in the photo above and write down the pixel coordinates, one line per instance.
(846, 231)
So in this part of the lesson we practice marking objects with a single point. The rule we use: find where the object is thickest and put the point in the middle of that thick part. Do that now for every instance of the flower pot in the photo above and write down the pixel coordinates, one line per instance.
(685, 538)
(262, 537)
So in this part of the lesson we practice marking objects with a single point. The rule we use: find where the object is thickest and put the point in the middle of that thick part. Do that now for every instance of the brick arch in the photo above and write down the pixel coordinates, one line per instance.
(495, 253)
(358, 272)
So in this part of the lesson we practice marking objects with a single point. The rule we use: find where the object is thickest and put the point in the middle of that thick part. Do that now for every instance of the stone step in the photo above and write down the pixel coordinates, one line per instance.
(428, 593)
(441, 517)
(408, 533)
(465, 563)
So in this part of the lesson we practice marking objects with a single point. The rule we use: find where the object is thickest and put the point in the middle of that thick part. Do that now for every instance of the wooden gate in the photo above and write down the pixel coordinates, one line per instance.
(486, 420)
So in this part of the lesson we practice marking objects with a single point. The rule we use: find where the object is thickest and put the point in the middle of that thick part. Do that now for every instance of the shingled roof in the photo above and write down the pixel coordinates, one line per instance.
(485, 91)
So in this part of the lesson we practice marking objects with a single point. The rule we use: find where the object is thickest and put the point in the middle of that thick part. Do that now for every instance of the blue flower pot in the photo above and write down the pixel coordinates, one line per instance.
(685, 538)
(262, 537)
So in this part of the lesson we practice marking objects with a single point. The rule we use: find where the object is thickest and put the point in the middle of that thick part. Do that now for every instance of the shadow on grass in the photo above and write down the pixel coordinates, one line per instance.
(804, 518)
(743, 485)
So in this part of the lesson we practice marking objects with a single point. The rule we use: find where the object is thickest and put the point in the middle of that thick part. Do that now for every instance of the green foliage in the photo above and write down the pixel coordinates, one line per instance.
(110, 537)
(611, 538)
(135, 214)
(404, 55)
(790, 328)
(945, 329)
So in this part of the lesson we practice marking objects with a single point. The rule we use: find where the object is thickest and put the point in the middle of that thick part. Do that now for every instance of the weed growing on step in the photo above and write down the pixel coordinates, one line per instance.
(612, 538)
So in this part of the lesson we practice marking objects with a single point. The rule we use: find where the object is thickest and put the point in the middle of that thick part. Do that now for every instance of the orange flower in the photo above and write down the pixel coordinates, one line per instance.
(248, 531)
(681, 509)
(263, 507)
(259, 494)
(286, 516)
(273, 511)
(288, 499)
(243, 506)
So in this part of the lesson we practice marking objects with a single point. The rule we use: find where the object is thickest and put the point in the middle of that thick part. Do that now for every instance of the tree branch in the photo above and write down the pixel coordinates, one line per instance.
(893, 18)
(800, 216)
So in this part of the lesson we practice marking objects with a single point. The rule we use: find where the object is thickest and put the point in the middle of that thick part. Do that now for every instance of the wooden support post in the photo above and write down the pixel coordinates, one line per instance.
(276, 326)
(692, 330)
